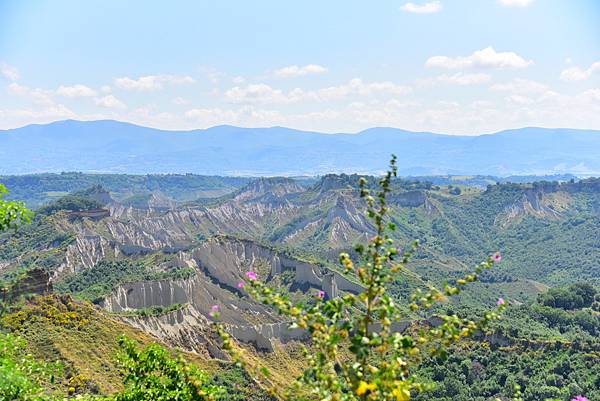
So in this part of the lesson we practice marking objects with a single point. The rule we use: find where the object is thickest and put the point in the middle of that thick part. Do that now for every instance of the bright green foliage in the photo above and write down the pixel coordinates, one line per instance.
(12, 213)
(19, 372)
(356, 354)
(152, 374)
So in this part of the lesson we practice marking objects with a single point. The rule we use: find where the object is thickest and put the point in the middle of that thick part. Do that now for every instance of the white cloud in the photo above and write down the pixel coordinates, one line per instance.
(485, 58)
(356, 87)
(263, 93)
(106, 89)
(75, 91)
(238, 80)
(592, 94)
(427, 8)
(180, 101)
(459, 78)
(519, 99)
(515, 3)
(110, 102)
(212, 74)
(17, 117)
(256, 93)
(9, 72)
(245, 115)
(152, 82)
(579, 74)
(37, 95)
(211, 116)
(522, 86)
(296, 71)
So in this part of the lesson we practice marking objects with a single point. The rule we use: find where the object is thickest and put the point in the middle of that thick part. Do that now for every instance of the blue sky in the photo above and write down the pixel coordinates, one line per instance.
(451, 66)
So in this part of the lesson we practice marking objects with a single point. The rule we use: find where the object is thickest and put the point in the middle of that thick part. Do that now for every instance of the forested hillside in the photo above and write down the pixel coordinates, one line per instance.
(152, 260)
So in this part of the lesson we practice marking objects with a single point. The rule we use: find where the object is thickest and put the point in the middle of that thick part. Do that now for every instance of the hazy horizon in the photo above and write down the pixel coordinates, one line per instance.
(518, 128)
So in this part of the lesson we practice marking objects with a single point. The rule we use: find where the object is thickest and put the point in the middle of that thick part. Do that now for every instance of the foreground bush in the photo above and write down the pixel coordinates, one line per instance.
(20, 373)
(151, 374)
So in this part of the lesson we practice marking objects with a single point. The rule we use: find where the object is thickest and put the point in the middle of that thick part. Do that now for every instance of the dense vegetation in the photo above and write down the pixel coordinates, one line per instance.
(70, 203)
(95, 283)
(574, 296)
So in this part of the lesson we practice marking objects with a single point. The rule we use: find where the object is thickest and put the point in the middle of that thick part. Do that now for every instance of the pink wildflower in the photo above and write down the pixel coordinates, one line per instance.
(214, 310)
(500, 301)
(497, 257)
(241, 284)
(580, 398)
(251, 275)
(321, 294)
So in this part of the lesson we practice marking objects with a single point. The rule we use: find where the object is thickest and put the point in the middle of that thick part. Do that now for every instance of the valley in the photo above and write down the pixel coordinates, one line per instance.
(157, 264)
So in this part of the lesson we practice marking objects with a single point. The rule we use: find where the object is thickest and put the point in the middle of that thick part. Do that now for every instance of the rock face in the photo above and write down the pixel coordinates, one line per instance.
(534, 202)
(220, 265)
(409, 198)
(261, 336)
(36, 281)
(99, 194)
(277, 209)
(222, 262)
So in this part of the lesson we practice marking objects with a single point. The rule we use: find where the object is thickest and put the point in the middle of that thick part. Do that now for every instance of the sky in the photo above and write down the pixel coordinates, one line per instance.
(448, 66)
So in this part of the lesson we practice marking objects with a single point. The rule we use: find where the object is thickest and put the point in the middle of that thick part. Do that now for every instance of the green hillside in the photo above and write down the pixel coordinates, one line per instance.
(547, 233)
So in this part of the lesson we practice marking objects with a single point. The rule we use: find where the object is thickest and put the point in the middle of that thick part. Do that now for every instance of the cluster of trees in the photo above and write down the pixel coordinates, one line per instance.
(477, 373)
(575, 296)
(95, 283)
(70, 203)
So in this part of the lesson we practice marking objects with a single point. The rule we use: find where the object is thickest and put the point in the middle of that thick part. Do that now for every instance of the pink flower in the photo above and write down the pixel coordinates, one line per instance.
(500, 301)
(321, 294)
(580, 398)
(497, 257)
(251, 275)
(241, 284)
(214, 310)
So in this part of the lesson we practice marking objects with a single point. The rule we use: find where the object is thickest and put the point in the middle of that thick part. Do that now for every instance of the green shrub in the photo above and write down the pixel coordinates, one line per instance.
(20, 373)
(152, 374)
(12, 213)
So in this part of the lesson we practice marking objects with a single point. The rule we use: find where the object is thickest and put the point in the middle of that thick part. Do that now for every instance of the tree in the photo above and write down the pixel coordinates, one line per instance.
(355, 353)
(12, 213)
(152, 375)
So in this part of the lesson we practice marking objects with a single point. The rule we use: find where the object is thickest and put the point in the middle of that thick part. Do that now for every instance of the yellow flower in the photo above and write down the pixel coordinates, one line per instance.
(401, 393)
(363, 387)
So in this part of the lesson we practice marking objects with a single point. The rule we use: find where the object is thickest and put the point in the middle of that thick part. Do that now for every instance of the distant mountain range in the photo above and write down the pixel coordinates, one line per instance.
(118, 147)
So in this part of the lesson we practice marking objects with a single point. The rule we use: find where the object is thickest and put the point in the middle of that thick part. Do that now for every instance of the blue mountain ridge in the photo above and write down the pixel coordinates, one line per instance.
(119, 147)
